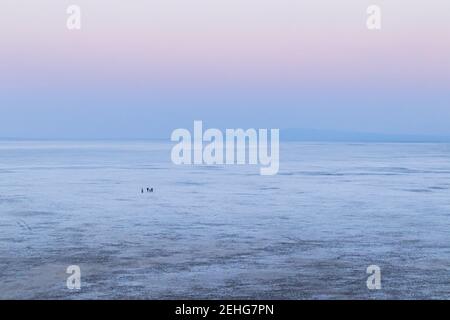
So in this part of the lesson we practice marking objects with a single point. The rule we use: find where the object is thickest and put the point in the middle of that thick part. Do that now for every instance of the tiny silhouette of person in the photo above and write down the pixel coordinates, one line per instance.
(142, 190)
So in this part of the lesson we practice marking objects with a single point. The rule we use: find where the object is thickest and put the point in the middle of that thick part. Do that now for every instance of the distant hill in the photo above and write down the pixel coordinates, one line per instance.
(345, 136)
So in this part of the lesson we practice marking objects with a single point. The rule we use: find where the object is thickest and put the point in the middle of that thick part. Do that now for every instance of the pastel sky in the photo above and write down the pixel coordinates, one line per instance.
(141, 68)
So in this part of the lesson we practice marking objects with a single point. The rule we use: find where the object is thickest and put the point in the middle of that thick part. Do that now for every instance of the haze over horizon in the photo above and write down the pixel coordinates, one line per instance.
(144, 69)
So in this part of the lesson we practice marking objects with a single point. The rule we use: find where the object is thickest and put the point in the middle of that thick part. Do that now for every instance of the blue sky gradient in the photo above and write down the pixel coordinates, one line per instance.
(142, 69)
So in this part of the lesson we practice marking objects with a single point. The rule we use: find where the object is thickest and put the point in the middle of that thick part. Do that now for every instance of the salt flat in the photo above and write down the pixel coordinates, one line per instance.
(224, 232)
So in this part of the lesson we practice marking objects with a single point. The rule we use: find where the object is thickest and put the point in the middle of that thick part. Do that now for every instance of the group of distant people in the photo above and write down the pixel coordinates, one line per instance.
(148, 190)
